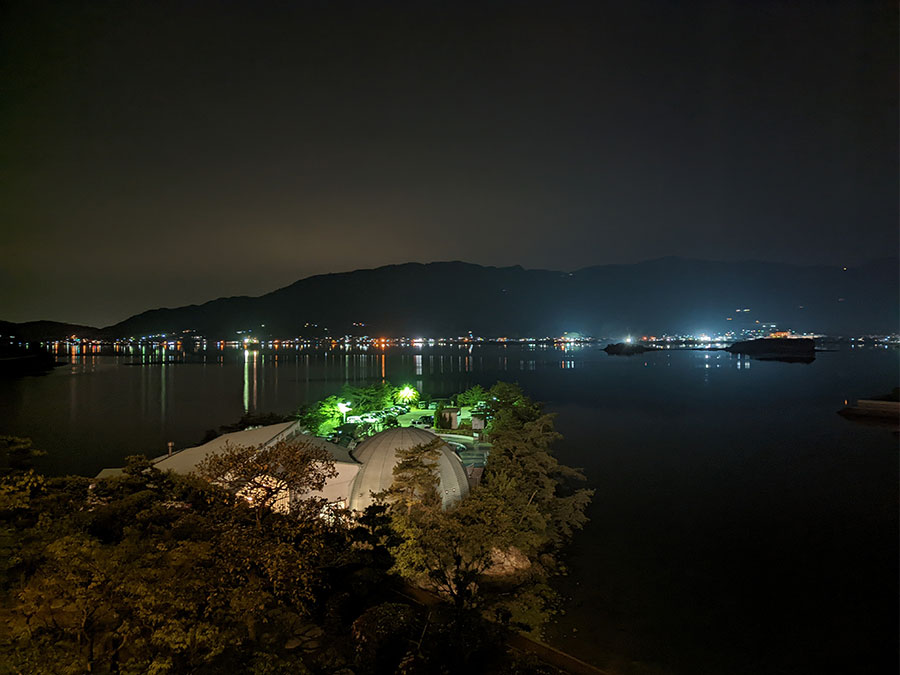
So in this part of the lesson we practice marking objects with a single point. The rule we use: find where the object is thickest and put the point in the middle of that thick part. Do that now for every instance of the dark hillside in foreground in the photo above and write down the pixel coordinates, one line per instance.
(451, 298)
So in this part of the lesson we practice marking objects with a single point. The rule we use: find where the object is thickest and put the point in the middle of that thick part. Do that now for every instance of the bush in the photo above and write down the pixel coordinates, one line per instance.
(473, 396)
(383, 635)
(462, 642)
(336, 613)
(439, 421)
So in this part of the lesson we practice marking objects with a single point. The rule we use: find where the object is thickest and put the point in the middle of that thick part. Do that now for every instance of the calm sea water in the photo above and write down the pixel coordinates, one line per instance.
(739, 525)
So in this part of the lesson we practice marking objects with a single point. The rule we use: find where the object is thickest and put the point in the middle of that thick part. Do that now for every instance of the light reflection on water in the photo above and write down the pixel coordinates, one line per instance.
(197, 390)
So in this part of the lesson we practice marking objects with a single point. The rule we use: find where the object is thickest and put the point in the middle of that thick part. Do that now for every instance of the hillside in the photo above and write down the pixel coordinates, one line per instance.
(451, 298)
(38, 331)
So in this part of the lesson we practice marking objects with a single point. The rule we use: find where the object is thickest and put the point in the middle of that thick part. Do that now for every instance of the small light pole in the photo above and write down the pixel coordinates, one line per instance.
(407, 394)
(344, 407)
(171, 446)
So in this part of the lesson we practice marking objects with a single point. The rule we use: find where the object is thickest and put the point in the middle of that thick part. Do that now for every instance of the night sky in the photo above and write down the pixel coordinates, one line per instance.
(161, 154)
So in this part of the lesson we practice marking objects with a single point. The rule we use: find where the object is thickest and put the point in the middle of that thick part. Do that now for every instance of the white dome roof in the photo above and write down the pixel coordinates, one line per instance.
(378, 455)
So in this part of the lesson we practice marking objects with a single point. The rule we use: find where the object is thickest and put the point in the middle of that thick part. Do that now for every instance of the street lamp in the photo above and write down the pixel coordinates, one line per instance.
(407, 394)
(344, 407)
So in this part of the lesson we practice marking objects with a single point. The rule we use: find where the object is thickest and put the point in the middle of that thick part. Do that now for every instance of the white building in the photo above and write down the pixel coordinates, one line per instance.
(378, 456)
(367, 470)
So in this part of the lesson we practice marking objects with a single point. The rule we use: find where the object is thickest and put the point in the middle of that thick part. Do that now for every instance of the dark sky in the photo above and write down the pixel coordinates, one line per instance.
(161, 154)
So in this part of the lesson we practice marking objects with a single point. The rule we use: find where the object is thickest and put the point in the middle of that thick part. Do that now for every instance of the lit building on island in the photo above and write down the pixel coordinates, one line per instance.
(360, 473)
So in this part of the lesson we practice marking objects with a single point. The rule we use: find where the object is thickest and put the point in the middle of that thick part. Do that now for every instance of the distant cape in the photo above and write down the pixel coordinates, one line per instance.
(673, 295)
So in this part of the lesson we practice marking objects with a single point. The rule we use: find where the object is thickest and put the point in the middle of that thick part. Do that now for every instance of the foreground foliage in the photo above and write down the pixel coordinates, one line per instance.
(266, 476)
(153, 572)
(495, 552)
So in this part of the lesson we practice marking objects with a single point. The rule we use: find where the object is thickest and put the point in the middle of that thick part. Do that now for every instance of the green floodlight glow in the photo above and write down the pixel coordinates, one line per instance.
(407, 394)
(344, 407)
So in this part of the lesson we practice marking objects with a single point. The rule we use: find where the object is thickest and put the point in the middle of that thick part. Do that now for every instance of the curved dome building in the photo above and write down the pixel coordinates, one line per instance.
(367, 469)
(378, 456)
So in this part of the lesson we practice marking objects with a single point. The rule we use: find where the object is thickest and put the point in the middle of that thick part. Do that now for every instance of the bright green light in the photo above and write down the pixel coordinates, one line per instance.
(344, 407)
(407, 394)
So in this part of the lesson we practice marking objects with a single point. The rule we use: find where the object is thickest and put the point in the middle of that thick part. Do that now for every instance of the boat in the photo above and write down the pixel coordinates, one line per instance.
(879, 410)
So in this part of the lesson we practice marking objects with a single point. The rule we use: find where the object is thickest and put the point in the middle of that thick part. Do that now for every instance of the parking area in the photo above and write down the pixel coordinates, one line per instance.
(424, 417)
(421, 417)
(413, 417)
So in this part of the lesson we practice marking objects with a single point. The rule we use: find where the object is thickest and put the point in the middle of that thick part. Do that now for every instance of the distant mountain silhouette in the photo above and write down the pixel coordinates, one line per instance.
(37, 331)
(673, 295)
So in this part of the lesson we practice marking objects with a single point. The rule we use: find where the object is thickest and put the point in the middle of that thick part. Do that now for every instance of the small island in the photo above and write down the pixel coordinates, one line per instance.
(777, 349)
(627, 349)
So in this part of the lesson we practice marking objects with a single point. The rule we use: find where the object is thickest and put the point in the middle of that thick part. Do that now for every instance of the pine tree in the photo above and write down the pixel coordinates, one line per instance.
(415, 477)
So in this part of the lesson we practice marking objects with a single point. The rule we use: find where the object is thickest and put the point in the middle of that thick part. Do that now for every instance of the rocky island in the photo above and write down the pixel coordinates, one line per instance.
(627, 349)
(777, 349)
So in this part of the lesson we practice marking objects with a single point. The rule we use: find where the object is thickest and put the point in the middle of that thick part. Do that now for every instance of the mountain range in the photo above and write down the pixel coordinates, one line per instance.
(667, 295)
